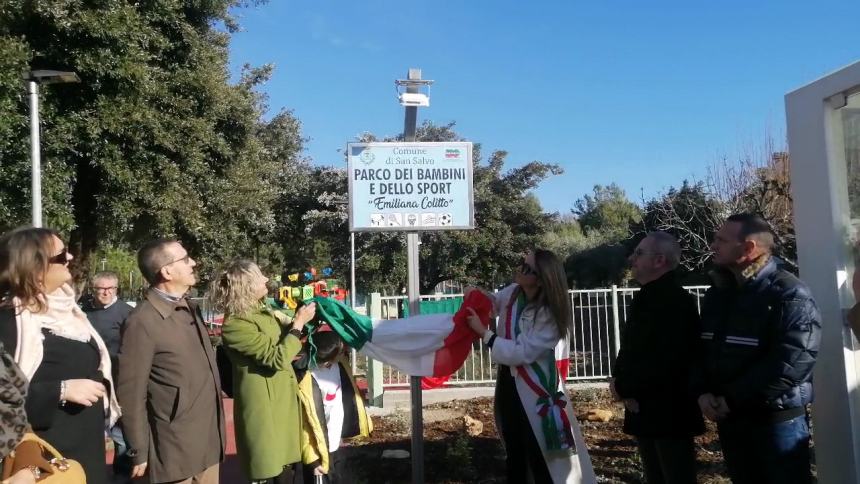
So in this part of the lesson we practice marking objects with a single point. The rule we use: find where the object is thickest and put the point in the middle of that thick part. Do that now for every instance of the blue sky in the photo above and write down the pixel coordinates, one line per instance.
(644, 94)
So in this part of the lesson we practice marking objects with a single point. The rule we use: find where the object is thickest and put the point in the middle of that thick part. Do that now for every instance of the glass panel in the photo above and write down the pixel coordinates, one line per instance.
(850, 117)
(848, 129)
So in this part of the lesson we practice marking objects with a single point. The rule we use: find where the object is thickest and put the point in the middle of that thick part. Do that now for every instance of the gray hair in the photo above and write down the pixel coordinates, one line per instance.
(105, 275)
(668, 246)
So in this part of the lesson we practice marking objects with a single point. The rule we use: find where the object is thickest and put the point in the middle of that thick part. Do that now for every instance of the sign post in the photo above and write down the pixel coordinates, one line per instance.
(411, 187)
(413, 291)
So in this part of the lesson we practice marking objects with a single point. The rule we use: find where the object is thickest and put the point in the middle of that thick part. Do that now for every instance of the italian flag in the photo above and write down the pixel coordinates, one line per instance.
(432, 346)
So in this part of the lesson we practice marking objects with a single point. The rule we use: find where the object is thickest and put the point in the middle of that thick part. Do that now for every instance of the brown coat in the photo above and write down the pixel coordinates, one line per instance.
(169, 389)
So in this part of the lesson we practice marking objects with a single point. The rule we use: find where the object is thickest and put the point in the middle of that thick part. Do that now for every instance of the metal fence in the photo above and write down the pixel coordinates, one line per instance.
(598, 316)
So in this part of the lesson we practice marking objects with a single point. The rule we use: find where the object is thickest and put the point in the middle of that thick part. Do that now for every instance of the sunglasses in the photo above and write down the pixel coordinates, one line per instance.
(527, 270)
(62, 258)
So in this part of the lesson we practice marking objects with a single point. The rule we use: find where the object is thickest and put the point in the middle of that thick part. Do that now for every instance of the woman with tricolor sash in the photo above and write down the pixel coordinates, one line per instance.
(534, 417)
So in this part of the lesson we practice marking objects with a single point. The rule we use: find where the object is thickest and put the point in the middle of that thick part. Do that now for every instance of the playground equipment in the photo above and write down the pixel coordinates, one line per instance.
(302, 286)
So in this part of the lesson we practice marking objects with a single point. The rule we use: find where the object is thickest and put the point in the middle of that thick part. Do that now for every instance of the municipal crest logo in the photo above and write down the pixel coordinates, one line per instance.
(367, 157)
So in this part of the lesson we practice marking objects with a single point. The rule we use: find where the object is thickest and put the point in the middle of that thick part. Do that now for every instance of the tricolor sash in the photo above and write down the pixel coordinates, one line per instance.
(551, 402)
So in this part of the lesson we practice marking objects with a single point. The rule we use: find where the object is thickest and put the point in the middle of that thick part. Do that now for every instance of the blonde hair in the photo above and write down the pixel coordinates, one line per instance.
(234, 291)
(554, 290)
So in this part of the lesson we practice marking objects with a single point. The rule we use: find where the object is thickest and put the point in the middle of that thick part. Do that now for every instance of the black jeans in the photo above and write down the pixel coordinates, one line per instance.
(767, 452)
(523, 454)
(668, 461)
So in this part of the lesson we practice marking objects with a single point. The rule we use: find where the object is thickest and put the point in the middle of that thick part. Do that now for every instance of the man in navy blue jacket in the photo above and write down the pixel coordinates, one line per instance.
(760, 336)
(107, 314)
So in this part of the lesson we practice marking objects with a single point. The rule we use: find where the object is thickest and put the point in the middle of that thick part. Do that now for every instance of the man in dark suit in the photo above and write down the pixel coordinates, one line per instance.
(654, 363)
(168, 379)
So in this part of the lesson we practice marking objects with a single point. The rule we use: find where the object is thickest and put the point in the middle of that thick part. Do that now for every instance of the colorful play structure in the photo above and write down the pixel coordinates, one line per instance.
(302, 286)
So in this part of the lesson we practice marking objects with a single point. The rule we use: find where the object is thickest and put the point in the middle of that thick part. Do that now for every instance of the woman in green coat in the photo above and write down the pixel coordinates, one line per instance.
(261, 344)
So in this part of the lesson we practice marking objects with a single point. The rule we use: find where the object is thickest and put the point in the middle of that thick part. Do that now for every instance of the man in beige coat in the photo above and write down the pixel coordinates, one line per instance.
(169, 387)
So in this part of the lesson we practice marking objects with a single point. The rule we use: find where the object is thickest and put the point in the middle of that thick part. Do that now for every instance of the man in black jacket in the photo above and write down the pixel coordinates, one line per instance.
(654, 364)
(760, 336)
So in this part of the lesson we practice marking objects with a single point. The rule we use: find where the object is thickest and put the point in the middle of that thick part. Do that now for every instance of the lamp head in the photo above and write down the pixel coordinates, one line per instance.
(43, 76)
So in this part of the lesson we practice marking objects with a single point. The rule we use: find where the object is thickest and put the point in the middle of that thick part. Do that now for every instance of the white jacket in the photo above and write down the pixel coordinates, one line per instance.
(538, 342)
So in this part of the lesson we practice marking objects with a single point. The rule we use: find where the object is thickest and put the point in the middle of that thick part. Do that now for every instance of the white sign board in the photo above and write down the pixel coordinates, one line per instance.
(408, 187)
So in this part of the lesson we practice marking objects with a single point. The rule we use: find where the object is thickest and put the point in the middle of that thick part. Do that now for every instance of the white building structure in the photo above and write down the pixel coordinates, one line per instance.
(824, 142)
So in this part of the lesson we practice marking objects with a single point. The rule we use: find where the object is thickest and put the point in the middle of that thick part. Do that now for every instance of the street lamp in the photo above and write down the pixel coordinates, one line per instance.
(33, 79)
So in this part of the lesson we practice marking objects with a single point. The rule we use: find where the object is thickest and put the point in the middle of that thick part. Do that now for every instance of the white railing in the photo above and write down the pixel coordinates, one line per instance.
(598, 315)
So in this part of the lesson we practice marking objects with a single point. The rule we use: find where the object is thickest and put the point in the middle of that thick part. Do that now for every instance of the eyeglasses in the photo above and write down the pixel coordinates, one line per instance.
(527, 270)
(104, 289)
(640, 253)
(62, 258)
(184, 259)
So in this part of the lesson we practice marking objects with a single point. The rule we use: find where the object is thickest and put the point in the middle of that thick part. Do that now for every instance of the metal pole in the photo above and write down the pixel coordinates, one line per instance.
(353, 355)
(35, 155)
(616, 320)
(410, 126)
(352, 269)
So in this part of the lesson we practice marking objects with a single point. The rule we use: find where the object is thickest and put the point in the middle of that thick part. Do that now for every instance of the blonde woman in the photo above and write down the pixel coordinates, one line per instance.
(261, 345)
(539, 430)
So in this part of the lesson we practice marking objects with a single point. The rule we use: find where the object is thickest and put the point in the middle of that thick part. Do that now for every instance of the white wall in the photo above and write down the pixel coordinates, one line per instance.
(821, 222)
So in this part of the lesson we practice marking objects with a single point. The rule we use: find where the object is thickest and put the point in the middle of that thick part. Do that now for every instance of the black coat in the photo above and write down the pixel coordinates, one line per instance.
(654, 364)
(76, 431)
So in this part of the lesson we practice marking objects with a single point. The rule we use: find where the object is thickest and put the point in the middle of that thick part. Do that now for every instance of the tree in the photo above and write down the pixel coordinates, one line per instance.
(600, 257)
(564, 236)
(154, 141)
(509, 221)
(759, 182)
(599, 266)
(689, 213)
(607, 211)
(124, 264)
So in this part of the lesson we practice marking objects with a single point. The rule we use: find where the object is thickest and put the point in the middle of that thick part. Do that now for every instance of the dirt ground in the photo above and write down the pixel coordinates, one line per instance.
(451, 456)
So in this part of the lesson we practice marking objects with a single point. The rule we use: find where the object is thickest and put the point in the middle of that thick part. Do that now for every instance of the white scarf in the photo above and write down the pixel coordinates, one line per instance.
(65, 319)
